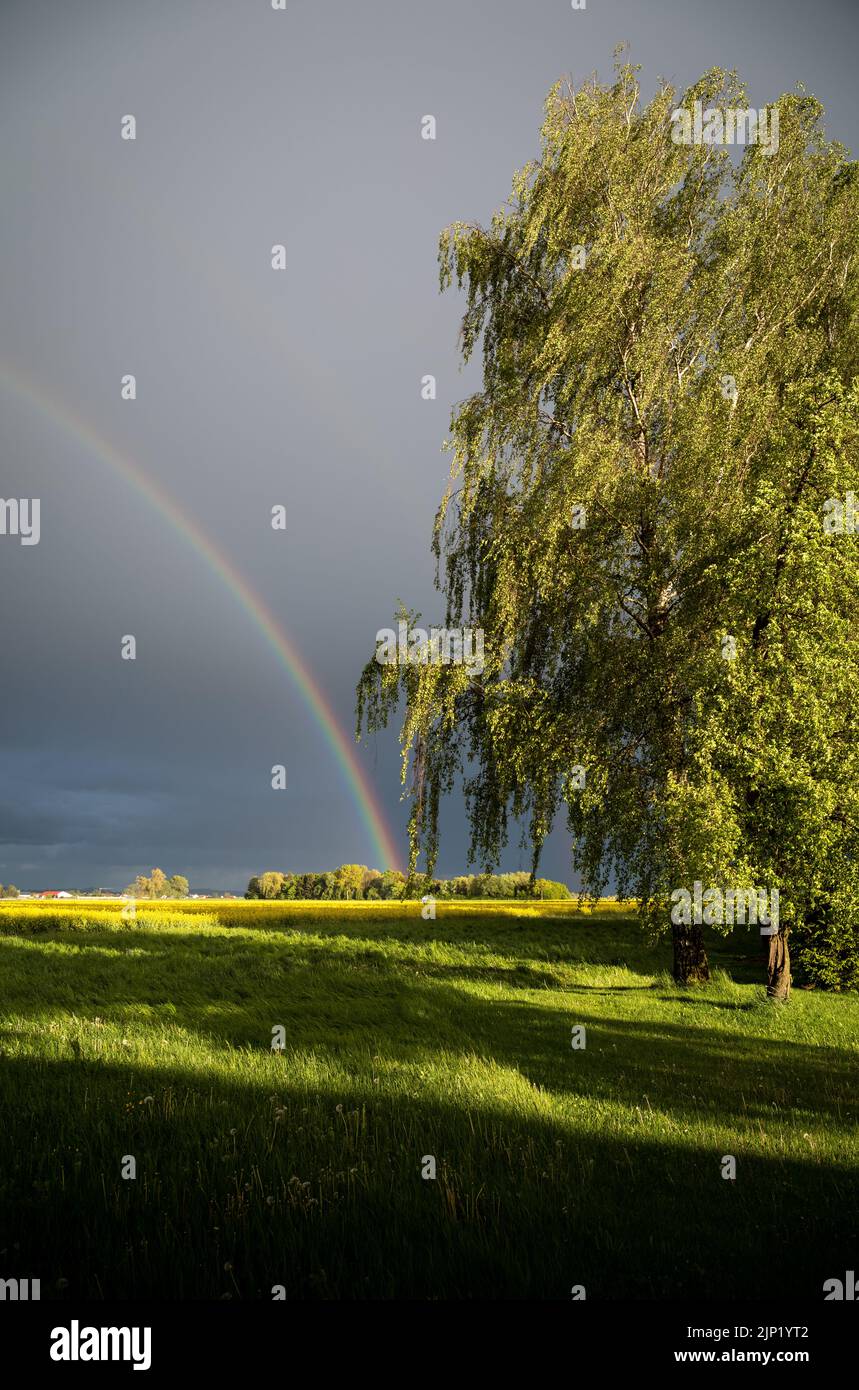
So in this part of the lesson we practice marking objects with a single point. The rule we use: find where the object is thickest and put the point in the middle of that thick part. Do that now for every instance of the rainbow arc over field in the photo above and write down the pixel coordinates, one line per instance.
(338, 740)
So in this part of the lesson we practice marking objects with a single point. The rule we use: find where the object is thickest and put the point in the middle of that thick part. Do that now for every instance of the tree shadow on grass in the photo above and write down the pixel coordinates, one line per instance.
(332, 1003)
(597, 939)
(244, 1185)
(727, 1004)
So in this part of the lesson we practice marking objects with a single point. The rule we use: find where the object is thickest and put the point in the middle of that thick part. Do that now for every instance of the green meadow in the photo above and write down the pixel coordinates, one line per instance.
(150, 1038)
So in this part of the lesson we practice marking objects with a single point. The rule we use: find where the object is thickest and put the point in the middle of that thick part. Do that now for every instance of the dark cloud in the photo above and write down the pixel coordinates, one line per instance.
(257, 127)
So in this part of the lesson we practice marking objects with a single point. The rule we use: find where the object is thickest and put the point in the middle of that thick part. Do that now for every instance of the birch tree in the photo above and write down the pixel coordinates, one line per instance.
(635, 516)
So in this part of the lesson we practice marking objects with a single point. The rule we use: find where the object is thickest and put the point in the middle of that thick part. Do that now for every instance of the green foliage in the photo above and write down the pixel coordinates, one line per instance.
(371, 881)
(271, 885)
(392, 885)
(355, 881)
(606, 387)
(516, 885)
(547, 888)
(827, 944)
(158, 885)
(349, 880)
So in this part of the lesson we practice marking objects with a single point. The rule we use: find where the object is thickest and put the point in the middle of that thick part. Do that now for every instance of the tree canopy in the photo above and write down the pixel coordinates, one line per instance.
(158, 885)
(636, 515)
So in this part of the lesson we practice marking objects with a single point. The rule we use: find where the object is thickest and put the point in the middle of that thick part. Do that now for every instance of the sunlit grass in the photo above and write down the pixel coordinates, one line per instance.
(151, 1036)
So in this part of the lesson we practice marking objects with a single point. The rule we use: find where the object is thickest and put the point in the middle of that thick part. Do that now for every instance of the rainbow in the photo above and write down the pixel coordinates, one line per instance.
(340, 743)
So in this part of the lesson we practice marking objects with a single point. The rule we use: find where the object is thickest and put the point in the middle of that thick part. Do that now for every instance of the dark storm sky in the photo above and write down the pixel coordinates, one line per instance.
(258, 127)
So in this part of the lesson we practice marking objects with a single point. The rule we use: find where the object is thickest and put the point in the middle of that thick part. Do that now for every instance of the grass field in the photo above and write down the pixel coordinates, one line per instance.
(556, 1167)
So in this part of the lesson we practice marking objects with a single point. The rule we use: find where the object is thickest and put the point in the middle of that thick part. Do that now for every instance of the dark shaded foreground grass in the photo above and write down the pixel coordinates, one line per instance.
(555, 1167)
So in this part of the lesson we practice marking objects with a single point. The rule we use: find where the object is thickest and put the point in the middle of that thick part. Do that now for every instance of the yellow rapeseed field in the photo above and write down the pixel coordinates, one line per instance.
(37, 914)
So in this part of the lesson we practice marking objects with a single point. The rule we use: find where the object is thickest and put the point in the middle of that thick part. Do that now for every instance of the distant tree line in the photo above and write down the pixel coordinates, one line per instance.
(354, 882)
(10, 891)
(158, 885)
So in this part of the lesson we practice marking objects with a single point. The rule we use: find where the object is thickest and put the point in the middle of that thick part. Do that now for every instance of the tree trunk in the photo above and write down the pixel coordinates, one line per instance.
(778, 968)
(690, 958)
